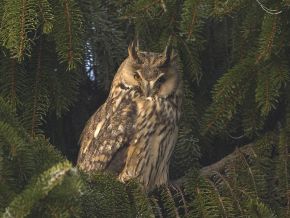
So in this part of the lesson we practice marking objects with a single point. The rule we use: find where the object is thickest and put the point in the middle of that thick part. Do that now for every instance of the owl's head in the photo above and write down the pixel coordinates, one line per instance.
(154, 74)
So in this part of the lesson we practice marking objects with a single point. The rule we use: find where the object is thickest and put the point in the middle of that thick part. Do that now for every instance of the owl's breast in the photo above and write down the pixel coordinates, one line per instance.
(153, 142)
(162, 110)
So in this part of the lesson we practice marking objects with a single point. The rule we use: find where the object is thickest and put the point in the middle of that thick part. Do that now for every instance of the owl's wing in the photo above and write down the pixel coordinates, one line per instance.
(106, 135)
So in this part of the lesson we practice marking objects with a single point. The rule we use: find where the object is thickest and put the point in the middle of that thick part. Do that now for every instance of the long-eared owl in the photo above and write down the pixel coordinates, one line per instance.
(134, 132)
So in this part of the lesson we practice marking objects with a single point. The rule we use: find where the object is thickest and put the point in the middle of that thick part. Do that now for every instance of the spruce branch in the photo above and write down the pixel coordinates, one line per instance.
(229, 7)
(18, 22)
(270, 30)
(271, 79)
(268, 10)
(231, 190)
(141, 7)
(23, 203)
(219, 166)
(36, 88)
(46, 16)
(228, 93)
(68, 30)
(13, 83)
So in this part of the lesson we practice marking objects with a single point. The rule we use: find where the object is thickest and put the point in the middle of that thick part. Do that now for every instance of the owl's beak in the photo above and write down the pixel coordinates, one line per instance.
(147, 90)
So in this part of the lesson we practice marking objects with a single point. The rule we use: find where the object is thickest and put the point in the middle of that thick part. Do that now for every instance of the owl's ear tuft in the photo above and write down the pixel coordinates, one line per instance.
(132, 50)
(169, 54)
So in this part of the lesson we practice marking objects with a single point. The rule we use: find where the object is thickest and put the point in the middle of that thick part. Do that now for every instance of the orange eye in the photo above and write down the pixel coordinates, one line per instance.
(137, 76)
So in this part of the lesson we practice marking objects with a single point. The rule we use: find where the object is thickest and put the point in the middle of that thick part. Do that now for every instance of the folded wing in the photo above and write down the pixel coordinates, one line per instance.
(107, 134)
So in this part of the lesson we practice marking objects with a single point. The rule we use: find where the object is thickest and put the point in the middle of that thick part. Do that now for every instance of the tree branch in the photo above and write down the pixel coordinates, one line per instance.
(209, 170)
(218, 166)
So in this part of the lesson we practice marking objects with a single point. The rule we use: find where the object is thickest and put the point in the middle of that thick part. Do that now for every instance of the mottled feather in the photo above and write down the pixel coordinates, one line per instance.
(114, 132)
(134, 132)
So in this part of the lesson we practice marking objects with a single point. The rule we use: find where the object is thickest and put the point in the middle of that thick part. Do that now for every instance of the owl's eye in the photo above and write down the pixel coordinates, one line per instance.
(137, 76)
(161, 80)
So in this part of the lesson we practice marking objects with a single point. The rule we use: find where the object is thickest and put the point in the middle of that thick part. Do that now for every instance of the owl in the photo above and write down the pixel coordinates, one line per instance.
(134, 132)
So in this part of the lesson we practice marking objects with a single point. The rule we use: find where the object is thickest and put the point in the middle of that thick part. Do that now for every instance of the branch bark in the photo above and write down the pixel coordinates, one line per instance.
(218, 166)
(209, 170)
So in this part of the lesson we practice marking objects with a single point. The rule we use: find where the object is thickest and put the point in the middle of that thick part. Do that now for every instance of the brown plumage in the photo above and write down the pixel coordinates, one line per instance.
(134, 132)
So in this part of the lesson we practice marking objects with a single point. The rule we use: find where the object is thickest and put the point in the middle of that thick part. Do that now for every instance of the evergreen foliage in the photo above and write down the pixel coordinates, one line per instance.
(49, 48)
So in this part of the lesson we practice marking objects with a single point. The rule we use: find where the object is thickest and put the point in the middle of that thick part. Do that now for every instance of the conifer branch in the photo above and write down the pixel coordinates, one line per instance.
(220, 200)
(13, 83)
(168, 197)
(219, 166)
(268, 10)
(36, 88)
(192, 21)
(46, 15)
(233, 195)
(23, 203)
(69, 32)
(22, 33)
(284, 152)
(183, 199)
(250, 170)
(268, 43)
(142, 8)
(210, 170)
